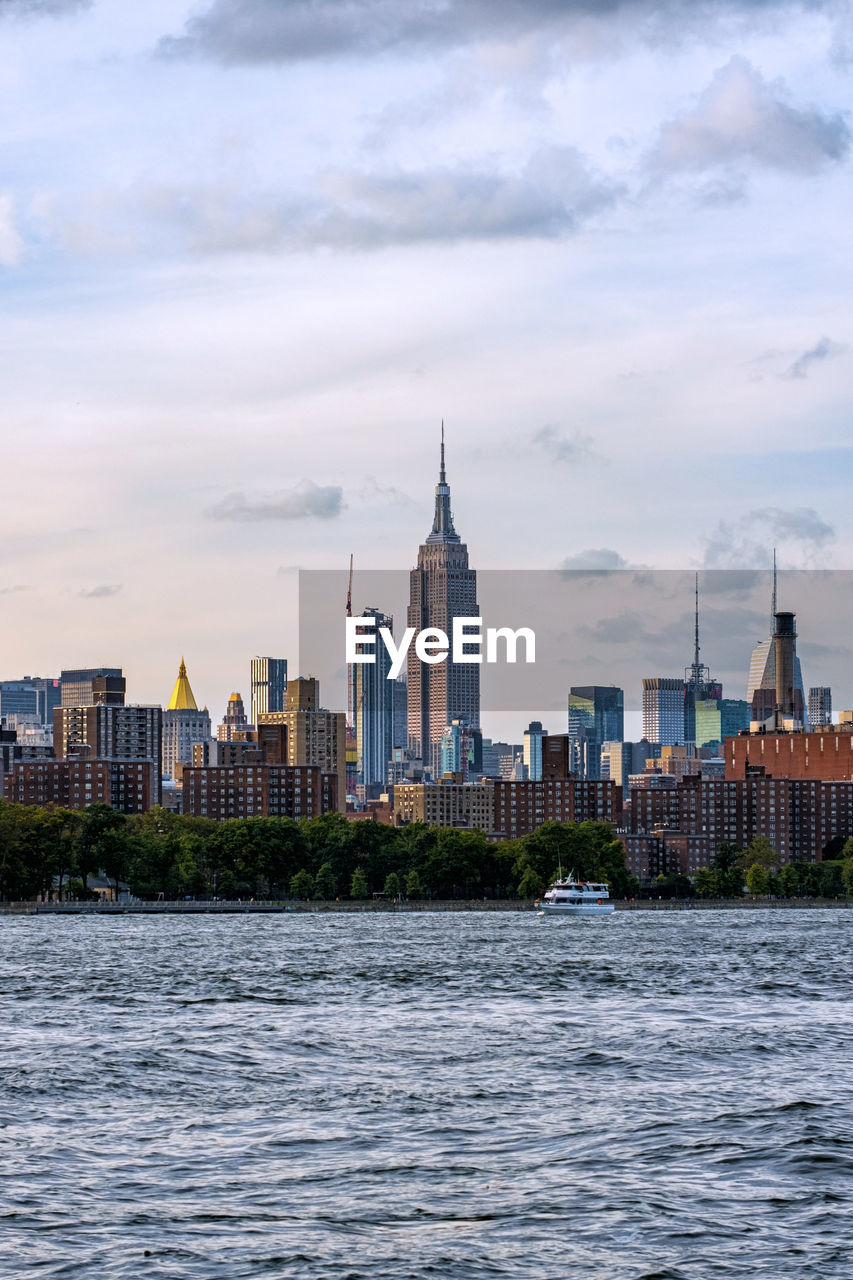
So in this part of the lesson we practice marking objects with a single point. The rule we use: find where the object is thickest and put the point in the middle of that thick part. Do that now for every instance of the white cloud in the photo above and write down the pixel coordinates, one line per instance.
(11, 243)
(741, 118)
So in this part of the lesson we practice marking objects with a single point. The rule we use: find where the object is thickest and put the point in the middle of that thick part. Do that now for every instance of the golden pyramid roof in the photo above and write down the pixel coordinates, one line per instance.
(182, 695)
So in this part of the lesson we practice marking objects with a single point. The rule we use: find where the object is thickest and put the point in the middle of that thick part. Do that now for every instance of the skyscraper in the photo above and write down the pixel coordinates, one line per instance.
(698, 685)
(596, 716)
(269, 683)
(820, 705)
(441, 588)
(533, 735)
(372, 702)
(663, 710)
(761, 678)
(184, 726)
(86, 686)
(234, 720)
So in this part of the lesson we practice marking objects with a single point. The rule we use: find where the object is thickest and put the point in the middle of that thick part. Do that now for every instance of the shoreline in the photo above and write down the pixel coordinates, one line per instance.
(102, 909)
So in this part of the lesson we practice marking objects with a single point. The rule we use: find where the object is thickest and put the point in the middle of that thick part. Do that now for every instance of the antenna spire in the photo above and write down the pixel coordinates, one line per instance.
(773, 598)
(442, 525)
(696, 636)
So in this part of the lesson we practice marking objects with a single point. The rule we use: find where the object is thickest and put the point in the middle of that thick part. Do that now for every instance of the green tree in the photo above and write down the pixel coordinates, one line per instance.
(757, 878)
(828, 880)
(302, 884)
(392, 885)
(725, 857)
(358, 887)
(414, 888)
(95, 841)
(706, 883)
(788, 881)
(530, 884)
(324, 882)
(847, 873)
(760, 852)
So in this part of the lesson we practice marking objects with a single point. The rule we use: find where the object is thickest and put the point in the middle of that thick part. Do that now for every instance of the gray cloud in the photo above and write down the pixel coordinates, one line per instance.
(561, 447)
(11, 591)
(551, 196)
(750, 540)
(305, 501)
(41, 8)
(595, 559)
(259, 31)
(824, 349)
(101, 592)
(741, 118)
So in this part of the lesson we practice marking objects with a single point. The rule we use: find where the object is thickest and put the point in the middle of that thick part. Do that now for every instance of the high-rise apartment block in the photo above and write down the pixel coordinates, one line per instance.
(75, 783)
(109, 732)
(442, 587)
(314, 736)
(259, 790)
(269, 684)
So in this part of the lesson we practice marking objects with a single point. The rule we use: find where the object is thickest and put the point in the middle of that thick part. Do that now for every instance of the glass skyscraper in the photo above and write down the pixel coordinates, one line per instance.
(596, 716)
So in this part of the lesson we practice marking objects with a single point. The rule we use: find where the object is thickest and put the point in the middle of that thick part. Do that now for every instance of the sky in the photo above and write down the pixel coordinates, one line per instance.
(253, 252)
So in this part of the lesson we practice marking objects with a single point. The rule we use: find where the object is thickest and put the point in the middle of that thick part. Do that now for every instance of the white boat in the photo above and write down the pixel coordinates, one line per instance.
(571, 897)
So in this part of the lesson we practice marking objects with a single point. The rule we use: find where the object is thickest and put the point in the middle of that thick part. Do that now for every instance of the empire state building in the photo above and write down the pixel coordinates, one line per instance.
(441, 588)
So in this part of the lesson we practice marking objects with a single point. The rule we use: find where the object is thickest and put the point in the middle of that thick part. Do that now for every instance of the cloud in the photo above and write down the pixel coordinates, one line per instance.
(11, 244)
(739, 118)
(101, 592)
(596, 559)
(373, 492)
(11, 591)
(750, 540)
(41, 8)
(561, 447)
(263, 31)
(824, 349)
(305, 501)
(550, 196)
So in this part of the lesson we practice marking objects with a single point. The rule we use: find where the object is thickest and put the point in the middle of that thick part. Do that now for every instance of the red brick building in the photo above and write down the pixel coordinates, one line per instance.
(75, 783)
(259, 791)
(799, 817)
(521, 807)
(825, 754)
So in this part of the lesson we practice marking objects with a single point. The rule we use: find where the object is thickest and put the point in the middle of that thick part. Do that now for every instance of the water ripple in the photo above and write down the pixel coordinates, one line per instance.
(652, 1097)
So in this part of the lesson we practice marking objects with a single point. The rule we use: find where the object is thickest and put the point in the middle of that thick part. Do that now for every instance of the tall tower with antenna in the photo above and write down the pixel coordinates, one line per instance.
(698, 684)
(761, 678)
(442, 587)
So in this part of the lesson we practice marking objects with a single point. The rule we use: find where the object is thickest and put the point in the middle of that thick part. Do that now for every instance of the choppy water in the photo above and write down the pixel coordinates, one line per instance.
(461, 1095)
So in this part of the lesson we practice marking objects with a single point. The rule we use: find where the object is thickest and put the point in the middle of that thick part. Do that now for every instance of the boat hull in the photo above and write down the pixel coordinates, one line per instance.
(581, 909)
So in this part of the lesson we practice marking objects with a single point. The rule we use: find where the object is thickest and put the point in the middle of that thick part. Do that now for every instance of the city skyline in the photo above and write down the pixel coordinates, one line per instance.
(607, 244)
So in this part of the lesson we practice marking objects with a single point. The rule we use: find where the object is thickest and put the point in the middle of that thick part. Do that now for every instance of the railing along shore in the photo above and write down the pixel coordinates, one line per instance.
(250, 907)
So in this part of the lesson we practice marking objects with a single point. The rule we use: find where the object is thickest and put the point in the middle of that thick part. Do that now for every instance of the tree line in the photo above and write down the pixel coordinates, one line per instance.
(758, 870)
(56, 851)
